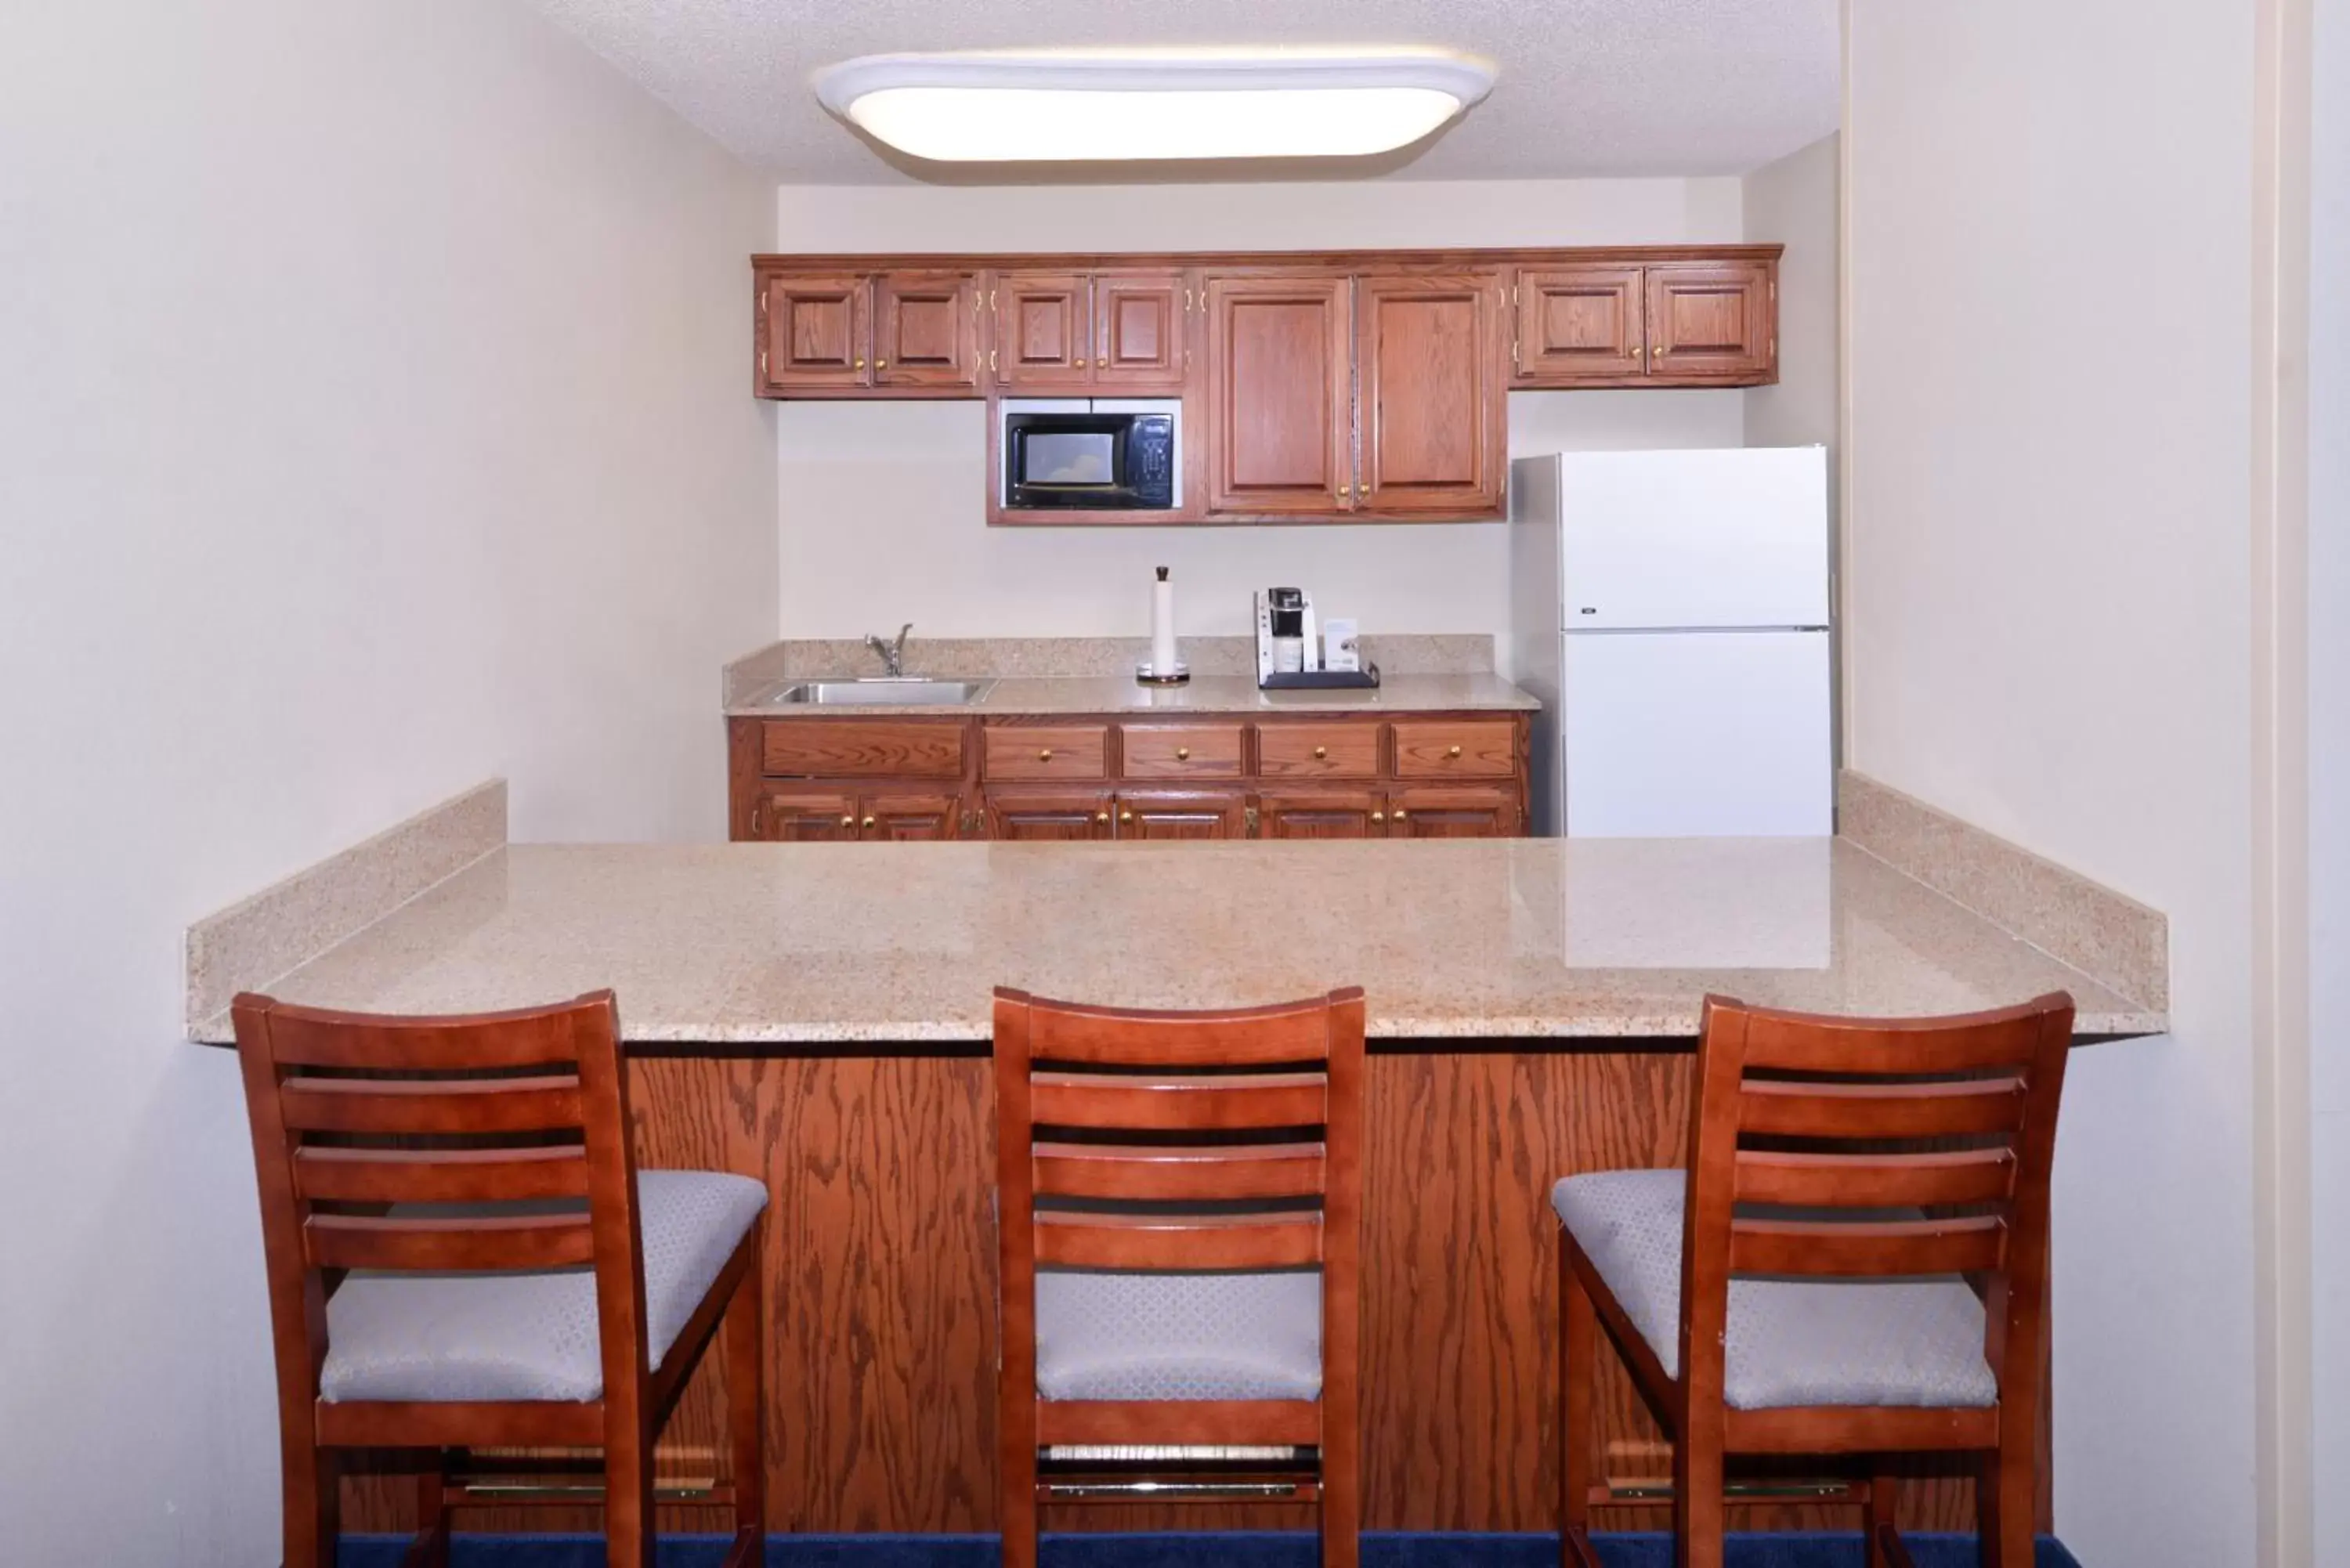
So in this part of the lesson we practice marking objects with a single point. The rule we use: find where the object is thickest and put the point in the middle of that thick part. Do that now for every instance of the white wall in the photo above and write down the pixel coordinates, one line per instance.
(1793, 202)
(2329, 783)
(2048, 633)
(375, 420)
(880, 504)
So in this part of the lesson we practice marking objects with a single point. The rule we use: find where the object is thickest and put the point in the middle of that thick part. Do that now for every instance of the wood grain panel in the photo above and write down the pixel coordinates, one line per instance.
(1578, 323)
(813, 333)
(1141, 318)
(1432, 422)
(1327, 751)
(1179, 750)
(1042, 323)
(1456, 749)
(880, 1292)
(926, 330)
(1045, 752)
(864, 748)
(1280, 392)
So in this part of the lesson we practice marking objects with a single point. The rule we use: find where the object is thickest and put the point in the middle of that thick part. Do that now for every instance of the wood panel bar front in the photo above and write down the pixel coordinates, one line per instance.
(880, 1292)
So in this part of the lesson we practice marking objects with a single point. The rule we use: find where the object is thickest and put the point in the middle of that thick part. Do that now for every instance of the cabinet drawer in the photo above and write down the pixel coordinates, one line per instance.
(1181, 751)
(1046, 751)
(1318, 750)
(862, 748)
(1457, 748)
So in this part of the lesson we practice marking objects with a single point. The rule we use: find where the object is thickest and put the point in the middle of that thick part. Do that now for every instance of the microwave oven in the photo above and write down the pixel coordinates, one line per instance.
(1092, 454)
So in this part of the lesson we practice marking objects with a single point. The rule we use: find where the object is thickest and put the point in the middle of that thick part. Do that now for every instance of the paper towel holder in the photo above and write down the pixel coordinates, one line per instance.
(1162, 631)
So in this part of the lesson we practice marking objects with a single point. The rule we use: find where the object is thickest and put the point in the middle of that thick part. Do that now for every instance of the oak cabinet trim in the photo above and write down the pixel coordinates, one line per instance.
(1411, 400)
(1233, 419)
(892, 291)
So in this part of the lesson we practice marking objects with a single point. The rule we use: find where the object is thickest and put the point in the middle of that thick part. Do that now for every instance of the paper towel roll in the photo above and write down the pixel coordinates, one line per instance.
(1162, 625)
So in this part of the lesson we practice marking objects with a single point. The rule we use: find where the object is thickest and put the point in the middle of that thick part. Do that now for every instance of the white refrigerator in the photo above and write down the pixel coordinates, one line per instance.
(1670, 610)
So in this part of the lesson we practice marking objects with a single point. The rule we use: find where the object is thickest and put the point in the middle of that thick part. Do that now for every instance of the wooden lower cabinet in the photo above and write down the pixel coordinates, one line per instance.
(1322, 813)
(816, 780)
(1154, 815)
(1433, 813)
(803, 817)
(910, 818)
(1036, 815)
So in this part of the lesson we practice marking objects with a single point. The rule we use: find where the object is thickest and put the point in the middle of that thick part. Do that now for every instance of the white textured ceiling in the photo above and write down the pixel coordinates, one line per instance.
(1587, 86)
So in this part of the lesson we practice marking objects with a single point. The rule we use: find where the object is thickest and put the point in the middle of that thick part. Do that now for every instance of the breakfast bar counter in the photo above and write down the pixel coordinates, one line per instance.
(770, 947)
(817, 1015)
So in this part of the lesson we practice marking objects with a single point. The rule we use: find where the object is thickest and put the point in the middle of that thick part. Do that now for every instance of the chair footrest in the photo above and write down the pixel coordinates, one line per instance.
(1192, 1490)
(1175, 1453)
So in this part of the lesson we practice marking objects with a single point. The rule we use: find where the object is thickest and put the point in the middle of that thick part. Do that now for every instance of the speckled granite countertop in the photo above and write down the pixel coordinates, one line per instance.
(1038, 695)
(748, 944)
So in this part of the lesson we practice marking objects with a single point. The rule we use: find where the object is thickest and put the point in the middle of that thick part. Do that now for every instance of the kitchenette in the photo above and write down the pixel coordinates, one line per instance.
(1537, 843)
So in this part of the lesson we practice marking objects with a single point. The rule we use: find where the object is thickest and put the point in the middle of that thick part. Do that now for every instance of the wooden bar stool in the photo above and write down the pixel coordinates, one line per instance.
(1179, 1214)
(1855, 1263)
(463, 1252)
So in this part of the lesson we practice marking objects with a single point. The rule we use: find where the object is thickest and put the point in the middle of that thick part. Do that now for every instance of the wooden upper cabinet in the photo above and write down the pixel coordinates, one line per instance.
(1579, 324)
(927, 330)
(1430, 353)
(1044, 322)
(816, 332)
(1712, 318)
(1138, 331)
(1280, 386)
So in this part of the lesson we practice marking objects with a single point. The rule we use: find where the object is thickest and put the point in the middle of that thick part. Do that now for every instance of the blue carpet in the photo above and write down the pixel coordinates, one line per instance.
(1236, 1549)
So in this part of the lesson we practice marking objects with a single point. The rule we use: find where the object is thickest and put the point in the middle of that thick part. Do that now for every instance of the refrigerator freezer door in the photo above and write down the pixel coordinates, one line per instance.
(1665, 539)
(1531, 655)
(1696, 734)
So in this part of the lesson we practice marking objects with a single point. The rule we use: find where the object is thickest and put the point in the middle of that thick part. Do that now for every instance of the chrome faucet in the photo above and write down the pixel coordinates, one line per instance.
(892, 653)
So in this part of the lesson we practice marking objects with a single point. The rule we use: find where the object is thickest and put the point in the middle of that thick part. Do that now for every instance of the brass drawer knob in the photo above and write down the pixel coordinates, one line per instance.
(848, 822)
(1398, 814)
(1081, 364)
(860, 364)
(1125, 816)
(1044, 753)
(868, 822)
(1320, 753)
(881, 364)
(1452, 751)
(1182, 753)
(1378, 817)
(1101, 816)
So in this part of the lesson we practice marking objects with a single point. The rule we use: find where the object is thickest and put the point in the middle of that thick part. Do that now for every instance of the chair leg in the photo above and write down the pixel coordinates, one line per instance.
(629, 1504)
(1577, 1351)
(1696, 1495)
(1879, 1524)
(1342, 1497)
(431, 1548)
(312, 1481)
(745, 1413)
(1019, 1505)
(2004, 1490)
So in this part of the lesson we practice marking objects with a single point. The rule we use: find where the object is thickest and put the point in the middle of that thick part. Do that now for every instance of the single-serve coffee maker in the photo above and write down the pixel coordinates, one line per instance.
(1289, 652)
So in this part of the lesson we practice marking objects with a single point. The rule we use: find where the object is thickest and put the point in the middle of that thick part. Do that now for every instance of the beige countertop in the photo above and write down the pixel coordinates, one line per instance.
(756, 943)
(1025, 696)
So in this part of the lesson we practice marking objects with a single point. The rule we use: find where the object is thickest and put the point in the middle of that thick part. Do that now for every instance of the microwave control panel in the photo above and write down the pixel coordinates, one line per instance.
(1153, 457)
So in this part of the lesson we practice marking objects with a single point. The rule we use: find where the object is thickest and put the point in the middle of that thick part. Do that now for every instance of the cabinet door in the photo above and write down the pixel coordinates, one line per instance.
(803, 817)
(1044, 322)
(907, 819)
(815, 333)
(1280, 398)
(927, 330)
(1436, 811)
(1139, 320)
(1579, 324)
(1048, 814)
(1156, 814)
(1322, 813)
(1709, 320)
(1431, 354)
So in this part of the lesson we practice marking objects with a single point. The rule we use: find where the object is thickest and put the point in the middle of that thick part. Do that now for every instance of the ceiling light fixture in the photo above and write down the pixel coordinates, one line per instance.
(1060, 105)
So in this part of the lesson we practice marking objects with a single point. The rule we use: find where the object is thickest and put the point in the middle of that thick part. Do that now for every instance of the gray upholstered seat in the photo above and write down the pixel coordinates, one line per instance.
(530, 1336)
(1914, 1342)
(1154, 1336)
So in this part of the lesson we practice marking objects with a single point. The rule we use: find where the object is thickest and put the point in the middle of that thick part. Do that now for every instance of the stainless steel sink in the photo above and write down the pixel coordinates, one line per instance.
(893, 689)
